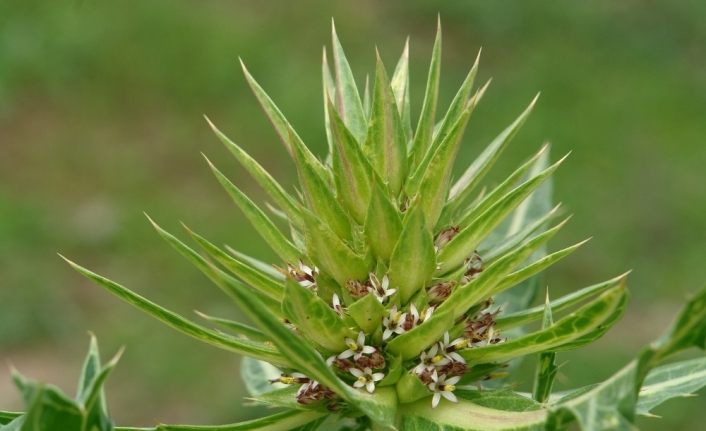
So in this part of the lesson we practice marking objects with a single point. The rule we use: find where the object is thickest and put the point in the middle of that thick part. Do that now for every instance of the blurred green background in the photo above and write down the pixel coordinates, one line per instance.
(100, 119)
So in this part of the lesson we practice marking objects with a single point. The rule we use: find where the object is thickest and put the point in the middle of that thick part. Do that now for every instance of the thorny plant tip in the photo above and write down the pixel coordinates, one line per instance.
(398, 292)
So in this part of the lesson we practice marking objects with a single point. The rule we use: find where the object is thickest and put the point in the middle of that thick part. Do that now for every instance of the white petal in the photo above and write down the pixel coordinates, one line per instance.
(346, 354)
(456, 357)
(378, 376)
(434, 350)
(370, 386)
(330, 360)
(446, 338)
(361, 338)
(435, 400)
(453, 380)
(387, 333)
(449, 396)
(356, 372)
(368, 350)
(358, 384)
(435, 376)
(413, 310)
(385, 282)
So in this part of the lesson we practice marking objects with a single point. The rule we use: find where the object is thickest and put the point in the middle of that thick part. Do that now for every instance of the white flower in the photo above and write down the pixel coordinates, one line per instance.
(443, 387)
(336, 304)
(430, 360)
(381, 289)
(366, 378)
(356, 348)
(417, 318)
(393, 323)
(450, 349)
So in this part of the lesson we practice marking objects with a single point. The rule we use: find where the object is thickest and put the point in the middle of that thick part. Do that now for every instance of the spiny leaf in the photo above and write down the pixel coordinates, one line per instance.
(264, 226)
(565, 330)
(546, 364)
(413, 259)
(244, 347)
(332, 255)
(241, 329)
(536, 267)
(328, 90)
(503, 188)
(529, 315)
(679, 379)
(400, 87)
(282, 126)
(347, 97)
(315, 318)
(383, 225)
(274, 190)
(463, 244)
(261, 266)
(386, 141)
(319, 195)
(351, 168)
(367, 312)
(481, 165)
(465, 296)
(425, 125)
(254, 278)
(457, 107)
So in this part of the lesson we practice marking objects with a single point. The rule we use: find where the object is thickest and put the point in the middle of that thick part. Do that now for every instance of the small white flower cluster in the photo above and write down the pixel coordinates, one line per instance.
(305, 275)
(357, 349)
(397, 323)
(441, 367)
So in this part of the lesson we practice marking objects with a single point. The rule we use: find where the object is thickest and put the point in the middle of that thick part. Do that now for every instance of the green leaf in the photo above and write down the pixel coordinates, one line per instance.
(411, 343)
(466, 296)
(274, 190)
(332, 255)
(314, 318)
(463, 244)
(328, 90)
(679, 379)
(468, 416)
(410, 389)
(174, 320)
(400, 88)
(470, 179)
(501, 190)
(425, 125)
(458, 104)
(367, 312)
(238, 328)
(254, 278)
(433, 174)
(264, 226)
(351, 168)
(282, 127)
(383, 225)
(319, 196)
(395, 368)
(347, 97)
(569, 328)
(413, 259)
(48, 409)
(529, 315)
(546, 364)
(282, 421)
(536, 267)
(7, 417)
(386, 142)
(263, 267)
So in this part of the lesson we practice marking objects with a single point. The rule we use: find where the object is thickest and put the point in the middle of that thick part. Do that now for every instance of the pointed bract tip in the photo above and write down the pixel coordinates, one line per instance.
(580, 243)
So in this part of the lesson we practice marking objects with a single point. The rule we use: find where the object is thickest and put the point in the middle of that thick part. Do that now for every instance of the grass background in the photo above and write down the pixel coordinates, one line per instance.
(100, 119)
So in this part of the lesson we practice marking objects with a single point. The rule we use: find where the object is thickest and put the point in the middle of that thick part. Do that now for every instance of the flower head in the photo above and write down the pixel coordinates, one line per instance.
(356, 348)
(366, 378)
(393, 323)
(443, 387)
(381, 288)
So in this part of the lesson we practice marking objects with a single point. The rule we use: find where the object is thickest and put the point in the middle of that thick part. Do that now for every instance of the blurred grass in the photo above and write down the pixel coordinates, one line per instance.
(100, 119)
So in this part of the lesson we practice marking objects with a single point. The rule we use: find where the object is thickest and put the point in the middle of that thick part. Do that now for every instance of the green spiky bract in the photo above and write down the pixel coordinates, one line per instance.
(398, 291)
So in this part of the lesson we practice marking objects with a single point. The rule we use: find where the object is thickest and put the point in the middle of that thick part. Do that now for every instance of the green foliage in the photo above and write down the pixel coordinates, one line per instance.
(384, 302)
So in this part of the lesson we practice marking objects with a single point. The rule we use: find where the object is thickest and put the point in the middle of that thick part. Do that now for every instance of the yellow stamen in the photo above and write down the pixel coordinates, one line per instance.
(287, 380)
(449, 388)
(353, 346)
(436, 359)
